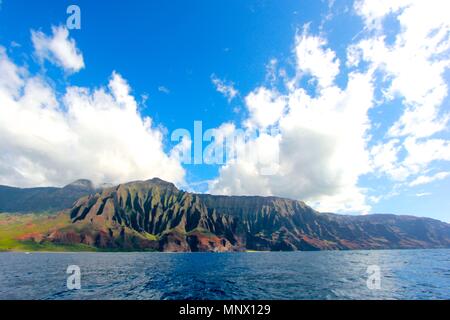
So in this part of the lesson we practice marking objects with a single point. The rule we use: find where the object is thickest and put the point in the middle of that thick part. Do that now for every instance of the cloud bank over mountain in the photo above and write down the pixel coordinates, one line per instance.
(52, 138)
(326, 144)
(346, 120)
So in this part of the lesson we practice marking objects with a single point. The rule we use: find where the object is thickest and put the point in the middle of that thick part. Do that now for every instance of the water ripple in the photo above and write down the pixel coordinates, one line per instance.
(406, 274)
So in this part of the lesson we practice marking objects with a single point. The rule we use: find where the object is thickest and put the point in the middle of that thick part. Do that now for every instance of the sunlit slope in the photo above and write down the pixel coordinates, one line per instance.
(24, 232)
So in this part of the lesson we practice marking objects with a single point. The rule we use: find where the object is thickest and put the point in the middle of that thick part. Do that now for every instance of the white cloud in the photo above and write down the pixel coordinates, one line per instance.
(163, 89)
(265, 106)
(88, 133)
(225, 88)
(421, 180)
(58, 49)
(423, 194)
(321, 141)
(384, 157)
(414, 63)
(315, 59)
(373, 12)
(15, 44)
(11, 76)
(324, 136)
(322, 146)
(422, 153)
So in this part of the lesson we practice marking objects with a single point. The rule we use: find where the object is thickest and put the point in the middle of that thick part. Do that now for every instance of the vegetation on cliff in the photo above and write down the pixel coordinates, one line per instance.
(154, 215)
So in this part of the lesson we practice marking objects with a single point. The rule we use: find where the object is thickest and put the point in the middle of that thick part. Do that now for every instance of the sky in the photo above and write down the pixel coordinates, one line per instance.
(343, 104)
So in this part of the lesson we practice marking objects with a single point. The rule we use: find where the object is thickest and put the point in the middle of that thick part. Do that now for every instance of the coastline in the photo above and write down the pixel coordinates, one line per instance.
(223, 252)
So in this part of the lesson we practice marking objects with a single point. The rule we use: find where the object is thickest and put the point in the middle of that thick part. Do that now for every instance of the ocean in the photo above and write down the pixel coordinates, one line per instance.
(381, 274)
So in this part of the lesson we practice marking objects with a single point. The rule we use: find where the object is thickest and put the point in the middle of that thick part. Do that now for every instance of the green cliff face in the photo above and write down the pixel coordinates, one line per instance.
(155, 215)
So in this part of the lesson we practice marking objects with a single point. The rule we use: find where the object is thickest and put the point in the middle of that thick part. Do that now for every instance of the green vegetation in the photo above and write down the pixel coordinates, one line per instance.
(17, 232)
(150, 236)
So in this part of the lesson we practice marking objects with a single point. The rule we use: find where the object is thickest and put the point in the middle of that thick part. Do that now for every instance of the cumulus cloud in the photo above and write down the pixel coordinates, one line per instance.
(421, 180)
(321, 142)
(384, 158)
(94, 133)
(265, 106)
(320, 139)
(315, 59)
(58, 48)
(414, 66)
(225, 88)
(373, 12)
(325, 142)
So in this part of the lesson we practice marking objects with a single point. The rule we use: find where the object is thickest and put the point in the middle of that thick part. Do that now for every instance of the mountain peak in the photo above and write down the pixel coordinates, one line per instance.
(160, 182)
(148, 184)
(82, 184)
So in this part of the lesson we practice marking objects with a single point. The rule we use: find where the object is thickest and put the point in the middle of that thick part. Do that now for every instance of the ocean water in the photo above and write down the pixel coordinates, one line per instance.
(404, 274)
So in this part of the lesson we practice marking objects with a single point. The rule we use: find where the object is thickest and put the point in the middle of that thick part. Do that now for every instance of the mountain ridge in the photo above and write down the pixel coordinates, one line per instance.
(40, 199)
(155, 215)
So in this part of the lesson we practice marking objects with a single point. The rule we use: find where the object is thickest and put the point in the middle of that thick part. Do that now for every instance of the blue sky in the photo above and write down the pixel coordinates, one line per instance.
(298, 56)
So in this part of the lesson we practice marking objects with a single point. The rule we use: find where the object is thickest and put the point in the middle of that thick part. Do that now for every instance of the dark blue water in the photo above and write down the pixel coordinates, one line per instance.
(405, 274)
